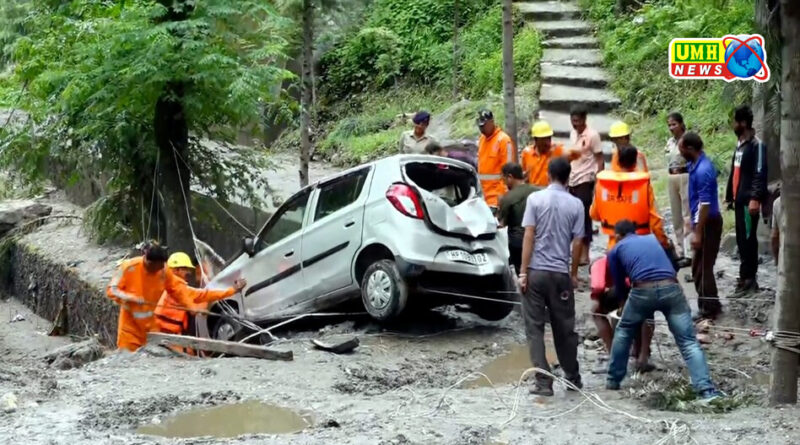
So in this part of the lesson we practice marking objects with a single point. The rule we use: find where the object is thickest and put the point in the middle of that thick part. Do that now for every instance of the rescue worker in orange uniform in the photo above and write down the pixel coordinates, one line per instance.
(620, 135)
(495, 150)
(535, 157)
(624, 195)
(137, 287)
(172, 312)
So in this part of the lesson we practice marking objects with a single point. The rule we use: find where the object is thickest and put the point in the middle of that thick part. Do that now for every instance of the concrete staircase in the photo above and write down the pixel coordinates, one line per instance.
(571, 66)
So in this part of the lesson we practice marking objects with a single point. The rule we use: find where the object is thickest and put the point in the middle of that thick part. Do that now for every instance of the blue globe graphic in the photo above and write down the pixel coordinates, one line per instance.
(744, 64)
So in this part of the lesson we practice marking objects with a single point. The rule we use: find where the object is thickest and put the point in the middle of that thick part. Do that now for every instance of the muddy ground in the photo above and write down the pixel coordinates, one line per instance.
(406, 384)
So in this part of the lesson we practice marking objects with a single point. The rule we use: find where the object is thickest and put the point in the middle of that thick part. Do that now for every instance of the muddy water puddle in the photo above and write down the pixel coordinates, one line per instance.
(233, 420)
(508, 367)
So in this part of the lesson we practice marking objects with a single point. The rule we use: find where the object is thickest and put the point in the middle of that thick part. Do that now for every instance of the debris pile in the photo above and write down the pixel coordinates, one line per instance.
(75, 355)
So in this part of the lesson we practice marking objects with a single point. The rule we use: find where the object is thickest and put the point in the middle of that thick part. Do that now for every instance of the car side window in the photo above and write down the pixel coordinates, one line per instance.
(340, 193)
(287, 221)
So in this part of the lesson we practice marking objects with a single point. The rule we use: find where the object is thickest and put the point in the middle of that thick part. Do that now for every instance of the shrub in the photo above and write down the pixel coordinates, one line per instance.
(420, 49)
(635, 50)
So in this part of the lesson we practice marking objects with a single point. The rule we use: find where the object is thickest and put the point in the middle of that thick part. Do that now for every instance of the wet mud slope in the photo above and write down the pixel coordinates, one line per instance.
(440, 377)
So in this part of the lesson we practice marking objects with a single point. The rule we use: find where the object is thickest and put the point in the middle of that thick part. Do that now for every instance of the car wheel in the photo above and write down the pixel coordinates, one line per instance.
(383, 290)
(226, 329)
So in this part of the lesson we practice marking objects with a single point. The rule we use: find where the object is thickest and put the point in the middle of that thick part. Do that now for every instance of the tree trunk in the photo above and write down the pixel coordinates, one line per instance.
(305, 88)
(787, 310)
(766, 109)
(626, 6)
(455, 48)
(508, 73)
(172, 138)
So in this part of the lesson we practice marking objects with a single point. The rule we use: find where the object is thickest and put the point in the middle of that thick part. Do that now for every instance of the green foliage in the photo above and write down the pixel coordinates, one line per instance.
(635, 49)
(94, 71)
(674, 393)
(411, 41)
(370, 125)
(12, 26)
(371, 59)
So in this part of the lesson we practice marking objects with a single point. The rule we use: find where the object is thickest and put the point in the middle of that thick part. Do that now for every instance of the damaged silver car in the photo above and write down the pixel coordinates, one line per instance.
(405, 230)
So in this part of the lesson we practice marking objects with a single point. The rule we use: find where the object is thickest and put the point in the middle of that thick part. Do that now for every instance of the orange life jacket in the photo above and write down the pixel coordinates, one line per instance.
(170, 318)
(623, 195)
(171, 313)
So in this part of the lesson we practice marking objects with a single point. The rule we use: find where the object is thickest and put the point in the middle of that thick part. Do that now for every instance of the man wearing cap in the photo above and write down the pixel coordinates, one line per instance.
(414, 141)
(620, 134)
(535, 157)
(495, 150)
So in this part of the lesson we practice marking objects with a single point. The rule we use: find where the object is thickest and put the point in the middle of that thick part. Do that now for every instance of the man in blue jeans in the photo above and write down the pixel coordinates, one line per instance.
(653, 287)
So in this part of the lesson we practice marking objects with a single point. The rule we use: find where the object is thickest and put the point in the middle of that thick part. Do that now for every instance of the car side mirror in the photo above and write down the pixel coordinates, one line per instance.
(249, 246)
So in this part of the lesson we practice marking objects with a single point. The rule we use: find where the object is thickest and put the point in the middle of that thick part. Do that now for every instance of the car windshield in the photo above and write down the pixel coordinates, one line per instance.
(451, 183)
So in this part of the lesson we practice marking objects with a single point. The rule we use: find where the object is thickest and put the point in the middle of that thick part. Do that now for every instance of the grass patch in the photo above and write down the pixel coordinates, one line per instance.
(635, 48)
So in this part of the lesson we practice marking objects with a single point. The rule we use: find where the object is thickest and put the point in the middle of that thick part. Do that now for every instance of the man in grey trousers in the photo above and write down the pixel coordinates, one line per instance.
(553, 225)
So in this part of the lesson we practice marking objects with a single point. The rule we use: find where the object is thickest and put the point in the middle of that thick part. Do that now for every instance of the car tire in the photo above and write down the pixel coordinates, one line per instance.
(383, 291)
(226, 329)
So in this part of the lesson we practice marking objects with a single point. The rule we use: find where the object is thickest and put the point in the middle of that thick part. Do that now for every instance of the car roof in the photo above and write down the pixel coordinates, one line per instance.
(399, 159)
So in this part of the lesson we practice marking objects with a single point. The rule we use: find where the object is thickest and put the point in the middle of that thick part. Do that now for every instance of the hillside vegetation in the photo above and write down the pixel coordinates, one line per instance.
(401, 60)
(635, 50)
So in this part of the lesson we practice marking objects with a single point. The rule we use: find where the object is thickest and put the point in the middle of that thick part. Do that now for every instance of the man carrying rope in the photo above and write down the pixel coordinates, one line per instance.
(653, 287)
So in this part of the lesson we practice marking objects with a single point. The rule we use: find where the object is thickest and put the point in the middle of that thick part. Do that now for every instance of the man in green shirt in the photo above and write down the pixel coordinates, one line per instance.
(512, 209)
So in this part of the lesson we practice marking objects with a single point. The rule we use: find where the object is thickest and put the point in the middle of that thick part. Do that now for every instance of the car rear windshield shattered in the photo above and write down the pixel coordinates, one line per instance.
(452, 184)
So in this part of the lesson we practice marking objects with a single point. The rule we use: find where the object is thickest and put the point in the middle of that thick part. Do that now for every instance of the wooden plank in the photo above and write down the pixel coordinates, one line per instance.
(223, 347)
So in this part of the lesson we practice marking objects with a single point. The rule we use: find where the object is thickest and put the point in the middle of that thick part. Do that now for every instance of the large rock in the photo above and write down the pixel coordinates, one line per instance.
(18, 211)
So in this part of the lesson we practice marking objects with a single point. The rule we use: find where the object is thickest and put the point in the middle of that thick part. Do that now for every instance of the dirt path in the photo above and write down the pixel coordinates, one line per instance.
(571, 66)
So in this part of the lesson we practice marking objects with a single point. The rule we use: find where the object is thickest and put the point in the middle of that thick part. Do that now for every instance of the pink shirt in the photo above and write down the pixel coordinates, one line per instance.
(585, 167)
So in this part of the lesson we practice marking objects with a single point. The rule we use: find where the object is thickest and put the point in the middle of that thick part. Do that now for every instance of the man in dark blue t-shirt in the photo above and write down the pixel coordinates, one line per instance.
(706, 223)
(653, 287)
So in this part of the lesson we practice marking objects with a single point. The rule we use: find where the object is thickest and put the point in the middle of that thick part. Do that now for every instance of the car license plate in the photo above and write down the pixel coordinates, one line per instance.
(477, 259)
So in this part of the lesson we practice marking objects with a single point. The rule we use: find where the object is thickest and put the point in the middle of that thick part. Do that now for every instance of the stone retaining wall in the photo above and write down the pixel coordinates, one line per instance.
(43, 285)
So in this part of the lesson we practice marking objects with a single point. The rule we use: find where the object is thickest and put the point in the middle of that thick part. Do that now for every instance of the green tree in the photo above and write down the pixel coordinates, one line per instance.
(307, 13)
(122, 89)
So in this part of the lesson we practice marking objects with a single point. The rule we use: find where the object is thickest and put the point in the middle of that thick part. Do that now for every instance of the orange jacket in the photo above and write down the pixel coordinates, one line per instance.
(494, 152)
(535, 164)
(626, 195)
(137, 291)
(641, 162)
(171, 313)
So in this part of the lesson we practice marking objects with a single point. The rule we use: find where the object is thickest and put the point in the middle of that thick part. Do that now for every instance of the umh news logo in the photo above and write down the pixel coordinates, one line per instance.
(730, 58)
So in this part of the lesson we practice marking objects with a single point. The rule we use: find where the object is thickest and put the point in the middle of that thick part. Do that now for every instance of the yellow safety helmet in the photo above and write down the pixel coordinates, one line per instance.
(541, 129)
(179, 259)
(619, 129)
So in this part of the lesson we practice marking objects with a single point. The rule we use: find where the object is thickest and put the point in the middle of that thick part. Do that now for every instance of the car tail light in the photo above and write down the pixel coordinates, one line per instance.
(405, 200)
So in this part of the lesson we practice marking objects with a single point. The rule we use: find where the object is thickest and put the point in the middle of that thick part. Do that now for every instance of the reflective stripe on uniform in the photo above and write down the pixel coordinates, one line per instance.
(485, 177)
(509, 149)
(141, 315)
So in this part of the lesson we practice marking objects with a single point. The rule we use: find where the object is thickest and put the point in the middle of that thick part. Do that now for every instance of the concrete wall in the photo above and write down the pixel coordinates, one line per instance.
(211, 223)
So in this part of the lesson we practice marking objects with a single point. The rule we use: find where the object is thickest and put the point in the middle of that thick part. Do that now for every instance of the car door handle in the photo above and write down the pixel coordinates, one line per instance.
(349, 224)
(288, 254)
